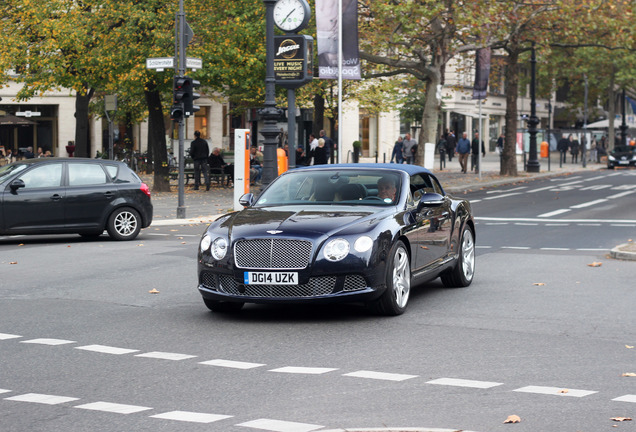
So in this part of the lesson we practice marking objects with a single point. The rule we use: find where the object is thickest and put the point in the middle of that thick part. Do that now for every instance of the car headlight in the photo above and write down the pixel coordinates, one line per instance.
(337, 249)
(363, 244)
(205, 243)
(611, 157)
(218, 248)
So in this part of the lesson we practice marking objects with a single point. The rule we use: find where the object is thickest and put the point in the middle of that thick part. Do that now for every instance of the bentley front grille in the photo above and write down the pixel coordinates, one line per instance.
(272, 254)
(317, 286)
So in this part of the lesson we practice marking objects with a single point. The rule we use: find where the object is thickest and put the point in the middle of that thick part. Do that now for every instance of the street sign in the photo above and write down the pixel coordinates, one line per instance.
(110, 102)
(28, 113)
(159, 63)
(194, 63)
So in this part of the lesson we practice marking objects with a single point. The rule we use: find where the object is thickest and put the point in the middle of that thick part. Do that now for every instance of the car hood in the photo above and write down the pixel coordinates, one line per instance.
(298, 221)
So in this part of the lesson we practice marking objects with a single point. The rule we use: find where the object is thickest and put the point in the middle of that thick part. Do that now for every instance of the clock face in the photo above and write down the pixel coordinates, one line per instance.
(291, 15)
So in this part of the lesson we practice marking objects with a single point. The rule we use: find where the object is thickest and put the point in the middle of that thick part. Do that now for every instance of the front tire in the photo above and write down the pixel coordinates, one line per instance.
(464, 271)
(398, 283)
(124, 224)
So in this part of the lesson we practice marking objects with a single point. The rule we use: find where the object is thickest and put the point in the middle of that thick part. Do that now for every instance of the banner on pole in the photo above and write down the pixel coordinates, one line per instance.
(482, 71)
(327, 39)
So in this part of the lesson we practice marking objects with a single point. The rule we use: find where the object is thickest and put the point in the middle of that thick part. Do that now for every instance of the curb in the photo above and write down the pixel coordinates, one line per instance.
(625, 251)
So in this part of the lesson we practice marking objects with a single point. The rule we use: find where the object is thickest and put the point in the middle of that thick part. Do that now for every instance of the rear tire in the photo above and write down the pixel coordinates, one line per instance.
(398, 283)
(124, 224)
(464, 271)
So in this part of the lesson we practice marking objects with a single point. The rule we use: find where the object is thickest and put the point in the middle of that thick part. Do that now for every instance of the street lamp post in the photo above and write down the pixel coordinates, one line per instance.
(549, 124)
(533, 164)
(623, 124)
(270, 113)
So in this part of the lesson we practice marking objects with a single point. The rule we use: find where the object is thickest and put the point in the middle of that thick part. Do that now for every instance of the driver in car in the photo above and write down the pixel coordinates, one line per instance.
(387, 188)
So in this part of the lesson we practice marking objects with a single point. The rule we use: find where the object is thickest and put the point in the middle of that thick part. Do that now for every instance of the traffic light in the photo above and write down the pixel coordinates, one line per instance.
(184, 95)
(176, 113)
(188, 102)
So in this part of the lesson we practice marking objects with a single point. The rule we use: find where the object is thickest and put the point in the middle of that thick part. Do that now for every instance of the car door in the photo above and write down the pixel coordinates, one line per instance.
(433, 222)
(89, 196)
(38, 205)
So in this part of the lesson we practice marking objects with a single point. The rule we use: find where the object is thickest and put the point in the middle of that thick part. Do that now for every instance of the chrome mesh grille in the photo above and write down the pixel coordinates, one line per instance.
(207, 280)
(317, 286)
(354, 283)
(272, 254)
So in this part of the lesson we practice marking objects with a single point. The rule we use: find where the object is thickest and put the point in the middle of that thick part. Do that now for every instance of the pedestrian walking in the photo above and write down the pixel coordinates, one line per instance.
(199, 152)
(474, 165)
(329, 145)
(562, 147)
(463, 150)
(397, 154)
(441, 149)
(320, 153)
(409, 148)
(451, 143)
(574, 149)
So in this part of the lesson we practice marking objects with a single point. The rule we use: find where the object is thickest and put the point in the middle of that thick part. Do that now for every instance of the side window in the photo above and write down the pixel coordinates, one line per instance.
(421, 183)
(436, 186)
(80, 174)
(43, 176)
(111, 170)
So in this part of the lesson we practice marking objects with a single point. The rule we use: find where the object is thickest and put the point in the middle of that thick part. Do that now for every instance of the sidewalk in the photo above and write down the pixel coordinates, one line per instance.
(204, 206)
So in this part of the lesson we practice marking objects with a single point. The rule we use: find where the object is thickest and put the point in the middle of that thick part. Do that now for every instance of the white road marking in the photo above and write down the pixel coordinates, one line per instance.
(553, 213)
(113, 407)
(193, 417)
(4, 336)
(464, 383)
(623, 225)
(158, 234)
(303, 370)
(592, 249)
(589, 203)
(107, 349)
(496, 223)
(516, 247)
(380, 375)
(597, 187)
(557, 224)
(280, 426)
(627, 398)
(556, 391)
(44, 341)
(483, 247)
(527, 223)
(554, 249)
(507, 190)
(42, 398)
(475, 201)
(5, 391)
(539, 219)
(232, 364)
(589, 224)
(165, 355)
(503, 196)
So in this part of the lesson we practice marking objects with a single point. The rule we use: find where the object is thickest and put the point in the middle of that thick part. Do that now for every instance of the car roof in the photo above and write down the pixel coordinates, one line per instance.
(406, 168)
(64, 159)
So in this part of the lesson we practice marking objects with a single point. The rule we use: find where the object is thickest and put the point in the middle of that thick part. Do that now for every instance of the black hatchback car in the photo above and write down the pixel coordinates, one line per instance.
(621, 156)
(73, 195)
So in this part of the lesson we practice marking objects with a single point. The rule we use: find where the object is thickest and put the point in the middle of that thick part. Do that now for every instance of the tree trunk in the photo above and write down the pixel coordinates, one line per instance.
(82, 129)
(509, 155)
(157, 139)
(430, 116)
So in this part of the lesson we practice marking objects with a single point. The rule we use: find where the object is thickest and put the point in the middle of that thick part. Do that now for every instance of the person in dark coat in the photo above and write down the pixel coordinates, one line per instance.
(218, 165)
(562, 147)
(320, 153)
(199, 152)
(451, 143)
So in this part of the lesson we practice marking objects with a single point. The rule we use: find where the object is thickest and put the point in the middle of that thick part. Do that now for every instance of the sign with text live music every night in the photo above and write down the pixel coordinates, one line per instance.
(293, 60)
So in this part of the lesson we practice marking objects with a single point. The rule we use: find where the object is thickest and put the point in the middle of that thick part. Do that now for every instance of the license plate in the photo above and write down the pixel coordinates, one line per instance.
(270, 278)
(623, 162)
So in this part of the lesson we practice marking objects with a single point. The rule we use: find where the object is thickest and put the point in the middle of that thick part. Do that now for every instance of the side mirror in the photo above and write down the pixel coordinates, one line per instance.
(431, 200)
(16, 184)
(247, 200)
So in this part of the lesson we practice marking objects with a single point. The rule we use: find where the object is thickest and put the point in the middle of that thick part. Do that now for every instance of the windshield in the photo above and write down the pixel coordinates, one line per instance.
(624, 149)
(339, 187)
(10, 169)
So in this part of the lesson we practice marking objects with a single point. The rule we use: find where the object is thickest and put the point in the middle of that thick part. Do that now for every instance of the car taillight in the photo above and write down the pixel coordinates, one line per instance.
(145, 189)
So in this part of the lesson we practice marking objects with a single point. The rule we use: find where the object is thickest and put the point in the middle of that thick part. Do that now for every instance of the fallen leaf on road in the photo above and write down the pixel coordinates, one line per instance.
(153, 291)
(183, 242)
(140, 244)
(21, 244)
(513, 419)
(629, 374)
(595, 264)
(621, 419)
(629, 346)
(564, 391)
(538, 284)
(13, 262)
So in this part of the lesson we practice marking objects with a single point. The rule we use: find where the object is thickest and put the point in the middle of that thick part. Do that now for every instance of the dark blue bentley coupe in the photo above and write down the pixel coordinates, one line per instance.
(338, 233)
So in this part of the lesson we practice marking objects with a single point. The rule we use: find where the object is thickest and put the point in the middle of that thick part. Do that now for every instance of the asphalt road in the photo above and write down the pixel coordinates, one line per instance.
(544, 332)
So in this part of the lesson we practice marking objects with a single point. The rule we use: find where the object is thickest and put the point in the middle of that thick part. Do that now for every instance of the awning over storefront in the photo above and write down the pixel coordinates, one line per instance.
(469, 113)
(605, 124)
(11, 120)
